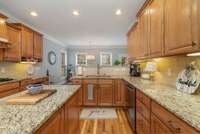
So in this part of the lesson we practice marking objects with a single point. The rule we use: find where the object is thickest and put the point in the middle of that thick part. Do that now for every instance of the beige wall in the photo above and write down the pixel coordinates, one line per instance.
(168, 68)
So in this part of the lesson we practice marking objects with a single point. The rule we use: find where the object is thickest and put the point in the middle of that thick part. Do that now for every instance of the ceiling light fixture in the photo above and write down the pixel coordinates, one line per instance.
(76, 13)
(118, 12)
(33, 14)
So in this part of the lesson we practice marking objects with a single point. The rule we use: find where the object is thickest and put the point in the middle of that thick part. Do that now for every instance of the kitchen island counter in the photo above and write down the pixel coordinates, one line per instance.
(26, 119)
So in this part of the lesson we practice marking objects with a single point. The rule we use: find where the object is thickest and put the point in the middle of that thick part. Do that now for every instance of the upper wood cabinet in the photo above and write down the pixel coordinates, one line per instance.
(165, 27)
(38, 46)
(178, 27)
(143, 27)
(156, 27)
(3, 29)
(27, 42)
(13, 52)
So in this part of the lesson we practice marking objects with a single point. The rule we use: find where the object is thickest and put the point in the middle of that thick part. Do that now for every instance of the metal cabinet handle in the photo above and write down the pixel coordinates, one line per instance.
(174, 127)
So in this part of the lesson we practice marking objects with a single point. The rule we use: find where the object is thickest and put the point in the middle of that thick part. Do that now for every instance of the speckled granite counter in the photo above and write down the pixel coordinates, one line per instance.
(184, 106)
(26, 119)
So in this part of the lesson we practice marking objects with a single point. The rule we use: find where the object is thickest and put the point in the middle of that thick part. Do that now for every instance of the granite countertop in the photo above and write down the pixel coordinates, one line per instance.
(184, 106)
(20, 79)
(26, 119)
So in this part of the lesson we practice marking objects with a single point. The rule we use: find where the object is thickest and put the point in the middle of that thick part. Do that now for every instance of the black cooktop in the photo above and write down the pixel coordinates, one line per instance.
(5, 79)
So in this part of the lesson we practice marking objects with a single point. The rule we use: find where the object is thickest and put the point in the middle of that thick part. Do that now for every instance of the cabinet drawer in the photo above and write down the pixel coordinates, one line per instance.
(26, 82)
(77, 81)
(9, 86)
(143, 110)
(105, 81)
(175, 124)
(90, 81)
(143, 98)
(142, 126)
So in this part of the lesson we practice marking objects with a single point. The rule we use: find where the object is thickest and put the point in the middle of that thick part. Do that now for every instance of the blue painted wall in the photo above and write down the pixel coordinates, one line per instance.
(116, 52)
(54, 70)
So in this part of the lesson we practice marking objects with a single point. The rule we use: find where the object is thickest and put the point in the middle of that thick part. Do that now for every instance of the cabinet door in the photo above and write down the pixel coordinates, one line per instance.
(142, 126)
(105, 95)
(90, 94)
(38, 46)
(157, 127)
(13, 53)
(156, 36)
(27, 43)
(72, 116)
(196, 21)
(124, 93)
(118, 93)
(178, 26)
(3, 29)
(54, 125)
(143, 33)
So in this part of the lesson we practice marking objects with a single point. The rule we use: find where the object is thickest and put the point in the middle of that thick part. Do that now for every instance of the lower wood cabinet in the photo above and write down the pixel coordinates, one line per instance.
(151, 118)
(142, 125)
(90, 92)
(65, 120)
(9, 89)
(102, 92)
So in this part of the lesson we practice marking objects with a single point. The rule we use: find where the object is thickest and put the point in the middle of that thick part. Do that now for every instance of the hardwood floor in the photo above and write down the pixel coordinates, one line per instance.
(107, 126)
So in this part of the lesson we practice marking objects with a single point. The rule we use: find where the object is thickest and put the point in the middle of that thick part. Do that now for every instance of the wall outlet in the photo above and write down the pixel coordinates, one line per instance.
(3, 70)
(169, 72)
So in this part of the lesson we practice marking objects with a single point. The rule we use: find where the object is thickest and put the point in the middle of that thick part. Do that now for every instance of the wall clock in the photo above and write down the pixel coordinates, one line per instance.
(52, 58)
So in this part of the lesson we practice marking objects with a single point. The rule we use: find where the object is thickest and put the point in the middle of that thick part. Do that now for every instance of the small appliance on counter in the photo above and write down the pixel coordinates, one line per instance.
(135, 70)
(149, 71)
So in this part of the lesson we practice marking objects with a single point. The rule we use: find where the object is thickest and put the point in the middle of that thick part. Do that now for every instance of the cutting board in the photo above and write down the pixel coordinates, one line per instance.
(28, 99)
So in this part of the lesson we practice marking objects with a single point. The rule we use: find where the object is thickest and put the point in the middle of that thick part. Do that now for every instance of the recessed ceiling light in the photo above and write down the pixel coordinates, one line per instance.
(76, 13)
(118, 12)
(33, 14)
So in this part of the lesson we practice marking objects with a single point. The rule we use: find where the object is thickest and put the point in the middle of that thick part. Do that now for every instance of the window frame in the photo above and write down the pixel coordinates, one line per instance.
(80, 53)
(101, 60)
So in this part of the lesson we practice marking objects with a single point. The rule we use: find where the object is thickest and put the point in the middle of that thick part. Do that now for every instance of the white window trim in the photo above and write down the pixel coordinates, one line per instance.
(101, 53)
(65, 52)
(77, 59)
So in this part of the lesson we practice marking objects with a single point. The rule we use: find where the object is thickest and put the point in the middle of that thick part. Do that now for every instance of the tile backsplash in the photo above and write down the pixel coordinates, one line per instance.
(168, 68)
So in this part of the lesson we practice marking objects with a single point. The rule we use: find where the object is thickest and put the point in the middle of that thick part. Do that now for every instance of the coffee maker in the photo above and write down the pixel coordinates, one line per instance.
(135, 70)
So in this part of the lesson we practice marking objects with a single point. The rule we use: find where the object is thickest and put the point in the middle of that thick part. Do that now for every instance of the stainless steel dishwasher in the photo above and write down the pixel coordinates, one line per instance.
(132, 106)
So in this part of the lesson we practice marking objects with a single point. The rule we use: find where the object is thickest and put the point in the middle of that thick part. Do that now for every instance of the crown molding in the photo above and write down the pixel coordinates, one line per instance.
(11, 19)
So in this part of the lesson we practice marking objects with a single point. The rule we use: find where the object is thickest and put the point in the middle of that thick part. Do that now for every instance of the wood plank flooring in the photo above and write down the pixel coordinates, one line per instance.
(107, 126)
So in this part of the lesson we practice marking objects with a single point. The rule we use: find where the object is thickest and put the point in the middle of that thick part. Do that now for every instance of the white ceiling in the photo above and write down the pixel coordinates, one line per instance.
(97, 23)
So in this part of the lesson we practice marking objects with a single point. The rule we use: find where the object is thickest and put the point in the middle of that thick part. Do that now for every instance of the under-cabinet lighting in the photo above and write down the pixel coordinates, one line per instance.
(28, 62)
(194, 54)
(2, 21)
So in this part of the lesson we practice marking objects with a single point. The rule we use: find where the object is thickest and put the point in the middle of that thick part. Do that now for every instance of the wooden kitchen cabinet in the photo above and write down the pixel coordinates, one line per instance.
(90, 92)
(27, 43)
(143, 25)
(72, 115)
(142, 126)
(65, 120)
(124, 93)
(3, 29)
(38, 46)
(13, 52)
(9, 89)
(158, 127)
(178, 27)
(105, 93)
(118, 92)
(156, 28)
(53, 125)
